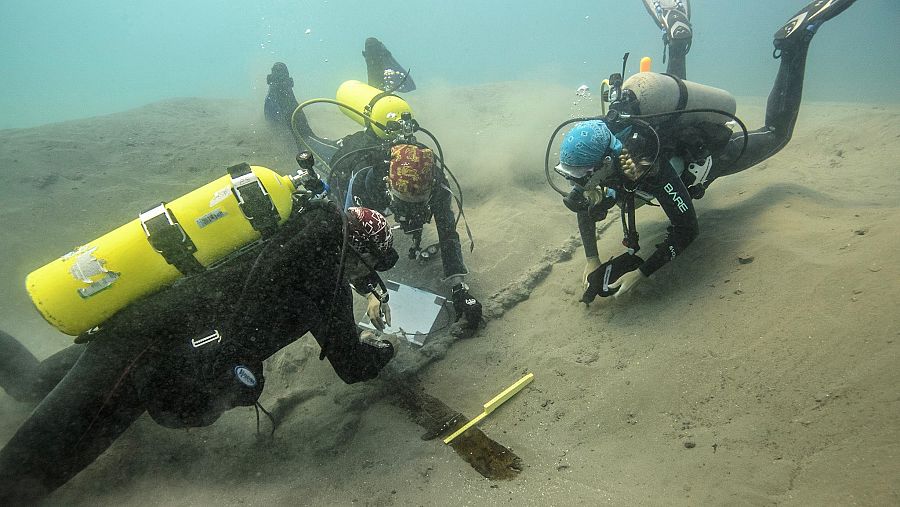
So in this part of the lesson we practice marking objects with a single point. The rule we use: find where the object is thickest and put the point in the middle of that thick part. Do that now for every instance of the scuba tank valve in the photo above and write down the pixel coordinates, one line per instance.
(402, 131)
(306, 178)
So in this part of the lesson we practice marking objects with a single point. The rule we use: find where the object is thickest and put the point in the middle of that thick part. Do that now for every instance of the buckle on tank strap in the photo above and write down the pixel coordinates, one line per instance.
(169, 239)
(255, 202)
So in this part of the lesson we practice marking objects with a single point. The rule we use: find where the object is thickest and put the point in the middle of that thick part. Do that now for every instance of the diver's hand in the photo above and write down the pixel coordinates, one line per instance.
(591, 265)
(383, 350)
(627, 282)
(379, 314)
(465, 305)
(614, 270)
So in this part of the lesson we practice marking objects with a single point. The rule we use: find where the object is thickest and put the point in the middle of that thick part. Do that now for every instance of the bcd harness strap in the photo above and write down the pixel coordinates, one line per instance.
(168, 238)
(630, 241)
(254, 200)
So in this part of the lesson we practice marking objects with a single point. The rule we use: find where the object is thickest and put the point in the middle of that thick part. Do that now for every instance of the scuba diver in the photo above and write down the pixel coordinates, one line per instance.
(190, 352)
(384, 167)
(667, 139)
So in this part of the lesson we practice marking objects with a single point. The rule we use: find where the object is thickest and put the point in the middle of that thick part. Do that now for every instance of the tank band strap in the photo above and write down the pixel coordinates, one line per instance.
(255, 202)
(167, 237)
(682, 92)
(371, 105)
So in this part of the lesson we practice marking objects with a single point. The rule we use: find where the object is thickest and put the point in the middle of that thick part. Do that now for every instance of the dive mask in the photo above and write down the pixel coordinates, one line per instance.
(411, 216)
(602, 171)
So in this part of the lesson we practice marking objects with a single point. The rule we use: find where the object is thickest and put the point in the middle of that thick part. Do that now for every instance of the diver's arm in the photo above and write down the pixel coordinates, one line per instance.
(674, 199)
(588, 229)
(337, 334)
(448, 237)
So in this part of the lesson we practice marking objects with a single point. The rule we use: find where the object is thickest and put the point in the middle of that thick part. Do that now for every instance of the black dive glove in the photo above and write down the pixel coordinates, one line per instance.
(607, 273)
(466, 305)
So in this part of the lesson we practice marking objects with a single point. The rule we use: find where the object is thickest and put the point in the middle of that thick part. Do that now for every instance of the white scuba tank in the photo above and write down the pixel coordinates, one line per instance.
(663, 93)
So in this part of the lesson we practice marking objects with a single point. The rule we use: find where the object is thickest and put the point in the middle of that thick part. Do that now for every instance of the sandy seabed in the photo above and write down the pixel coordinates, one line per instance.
(761, 367)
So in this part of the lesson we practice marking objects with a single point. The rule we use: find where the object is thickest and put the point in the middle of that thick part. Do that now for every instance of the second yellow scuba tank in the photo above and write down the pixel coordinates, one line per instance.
(88, 285)
(381, 106)
(662, 93)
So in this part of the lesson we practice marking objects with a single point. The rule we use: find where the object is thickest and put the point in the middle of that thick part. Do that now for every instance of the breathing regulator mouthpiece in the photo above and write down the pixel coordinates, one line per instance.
(576, 201)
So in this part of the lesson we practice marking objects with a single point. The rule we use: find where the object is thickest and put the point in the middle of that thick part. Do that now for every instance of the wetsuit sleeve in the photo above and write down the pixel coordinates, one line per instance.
(445, 220)
(338, 336)
(674, 199)
(310, 297)
(588, 229)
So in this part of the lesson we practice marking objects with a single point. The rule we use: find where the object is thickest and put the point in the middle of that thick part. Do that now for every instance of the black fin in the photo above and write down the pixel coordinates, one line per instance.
(810, 18)
(384, 72)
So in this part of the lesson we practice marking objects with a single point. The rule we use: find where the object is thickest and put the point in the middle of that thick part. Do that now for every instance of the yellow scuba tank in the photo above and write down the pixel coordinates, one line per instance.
(380, 106)
(663, 93)
(85, 287)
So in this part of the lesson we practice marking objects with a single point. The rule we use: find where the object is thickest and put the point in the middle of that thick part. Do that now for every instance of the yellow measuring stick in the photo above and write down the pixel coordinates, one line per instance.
(490, 406)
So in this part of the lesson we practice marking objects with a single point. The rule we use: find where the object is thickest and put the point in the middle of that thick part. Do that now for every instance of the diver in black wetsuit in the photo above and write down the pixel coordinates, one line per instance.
(624, 168)
(194, 350)
(363, 158)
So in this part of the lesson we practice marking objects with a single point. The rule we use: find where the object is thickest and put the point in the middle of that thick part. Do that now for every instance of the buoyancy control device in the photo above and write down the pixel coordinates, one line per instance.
(86, 286)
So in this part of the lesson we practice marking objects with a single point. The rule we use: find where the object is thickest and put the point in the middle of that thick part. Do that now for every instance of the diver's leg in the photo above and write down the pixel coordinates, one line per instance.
(17, 368)
(792, 45)
(678, 51)
(25, 378)
(78, 420)
(384, 72)
(279, 111)
(280, 101)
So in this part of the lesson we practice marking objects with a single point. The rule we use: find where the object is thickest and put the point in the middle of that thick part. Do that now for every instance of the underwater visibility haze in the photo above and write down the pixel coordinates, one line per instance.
(733, 342)
(70, 60)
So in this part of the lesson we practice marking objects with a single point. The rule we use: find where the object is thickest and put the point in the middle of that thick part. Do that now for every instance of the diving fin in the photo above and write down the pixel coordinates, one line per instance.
(280, 100)
(810, 18)
(384, 72)
(672, 16)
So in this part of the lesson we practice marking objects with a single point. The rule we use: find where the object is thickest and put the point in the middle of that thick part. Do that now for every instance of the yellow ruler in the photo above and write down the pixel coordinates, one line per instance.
(492, 405)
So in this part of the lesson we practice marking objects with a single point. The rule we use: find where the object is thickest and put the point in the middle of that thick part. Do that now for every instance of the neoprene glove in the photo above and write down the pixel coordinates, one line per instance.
(379, 313)
(591, 264)
(602, 280)
(464, 304)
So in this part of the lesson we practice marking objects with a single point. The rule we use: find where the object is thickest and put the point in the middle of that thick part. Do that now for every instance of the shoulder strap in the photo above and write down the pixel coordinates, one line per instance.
(629, 227)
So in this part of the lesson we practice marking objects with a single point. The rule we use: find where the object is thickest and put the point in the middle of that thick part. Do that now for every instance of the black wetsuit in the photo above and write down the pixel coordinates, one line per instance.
(161, 354)
(664, 184)
(670, 191)
(365, 153)
(370, 156)
(369, 190)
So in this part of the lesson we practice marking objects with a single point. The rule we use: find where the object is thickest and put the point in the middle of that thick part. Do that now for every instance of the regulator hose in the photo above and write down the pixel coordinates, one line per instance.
(297, 134)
